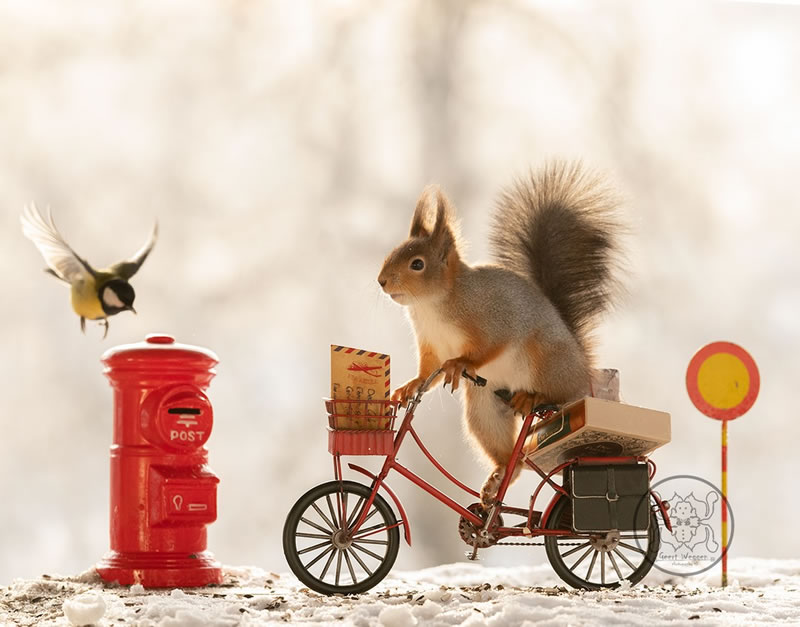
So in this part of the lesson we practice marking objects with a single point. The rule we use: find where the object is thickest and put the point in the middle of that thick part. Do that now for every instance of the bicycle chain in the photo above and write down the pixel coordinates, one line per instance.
(536, 544)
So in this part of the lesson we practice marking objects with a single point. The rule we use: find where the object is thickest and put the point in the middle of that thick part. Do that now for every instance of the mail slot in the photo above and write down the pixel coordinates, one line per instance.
(178, 417)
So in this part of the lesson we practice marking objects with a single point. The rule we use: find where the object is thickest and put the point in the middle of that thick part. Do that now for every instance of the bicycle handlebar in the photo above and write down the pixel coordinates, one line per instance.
(504, 394)
(477, 380)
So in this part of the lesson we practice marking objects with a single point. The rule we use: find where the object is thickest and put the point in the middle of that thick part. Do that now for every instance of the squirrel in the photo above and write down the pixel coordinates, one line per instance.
(525, 320)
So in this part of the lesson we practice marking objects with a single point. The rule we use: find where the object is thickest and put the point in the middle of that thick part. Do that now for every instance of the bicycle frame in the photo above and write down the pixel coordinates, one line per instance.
(535, 525)
(391, 463)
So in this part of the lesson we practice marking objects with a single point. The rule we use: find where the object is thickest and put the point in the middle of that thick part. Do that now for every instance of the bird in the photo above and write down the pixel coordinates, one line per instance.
(95, 294)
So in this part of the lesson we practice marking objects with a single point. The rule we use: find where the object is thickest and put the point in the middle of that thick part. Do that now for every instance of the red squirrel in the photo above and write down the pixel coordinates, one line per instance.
(523, 322)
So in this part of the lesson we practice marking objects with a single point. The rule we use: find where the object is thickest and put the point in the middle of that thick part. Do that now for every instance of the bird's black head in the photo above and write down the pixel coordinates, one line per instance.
(117, 295)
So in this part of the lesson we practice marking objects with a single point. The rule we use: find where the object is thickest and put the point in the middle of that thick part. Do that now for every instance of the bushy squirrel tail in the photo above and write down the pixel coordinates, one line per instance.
(559, 226)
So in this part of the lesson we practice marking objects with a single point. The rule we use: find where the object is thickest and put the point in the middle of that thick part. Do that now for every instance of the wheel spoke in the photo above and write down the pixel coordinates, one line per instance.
(625, 559)
(341, 501)
(327, 564)
(360, 561)
(582, 557)
(316, 526)
(318, 536)
(602, 567)
(350, 566)
(333, 513)
(367, 551)
(365, 532)
(338, 565)
(591, 566)
(314, 547)
(319, 557)
(324, 517)
(356, 512)
(368, 516)
(575, 550)
(371, 541)
(614, 564)
(632, 548)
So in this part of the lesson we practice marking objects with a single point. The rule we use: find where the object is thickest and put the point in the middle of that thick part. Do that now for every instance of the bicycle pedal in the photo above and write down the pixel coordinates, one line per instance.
(471, 556)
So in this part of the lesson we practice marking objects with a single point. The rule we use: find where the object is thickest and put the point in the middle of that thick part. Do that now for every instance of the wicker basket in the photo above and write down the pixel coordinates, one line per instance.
(361, 415)
(359, 427)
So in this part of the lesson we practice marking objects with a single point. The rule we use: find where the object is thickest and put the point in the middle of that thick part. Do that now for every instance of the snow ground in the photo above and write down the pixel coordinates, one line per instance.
(761, 592)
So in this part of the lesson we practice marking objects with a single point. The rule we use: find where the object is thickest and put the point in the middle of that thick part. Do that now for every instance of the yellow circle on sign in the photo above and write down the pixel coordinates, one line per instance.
(723, 380)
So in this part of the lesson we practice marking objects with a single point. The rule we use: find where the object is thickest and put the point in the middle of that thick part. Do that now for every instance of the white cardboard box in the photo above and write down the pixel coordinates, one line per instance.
(593, 427)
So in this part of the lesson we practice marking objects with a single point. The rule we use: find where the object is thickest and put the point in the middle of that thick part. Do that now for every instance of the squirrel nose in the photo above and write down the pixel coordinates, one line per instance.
(382, 282)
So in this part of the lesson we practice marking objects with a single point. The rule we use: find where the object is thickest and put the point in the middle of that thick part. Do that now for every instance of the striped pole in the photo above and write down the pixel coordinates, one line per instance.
(724, 503)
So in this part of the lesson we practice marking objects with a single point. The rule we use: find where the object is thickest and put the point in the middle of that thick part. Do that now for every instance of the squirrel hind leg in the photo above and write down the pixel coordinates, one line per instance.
(491, 424)
(494, 429)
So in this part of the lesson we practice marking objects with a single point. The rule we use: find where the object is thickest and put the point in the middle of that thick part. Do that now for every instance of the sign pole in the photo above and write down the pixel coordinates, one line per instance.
(724, 503)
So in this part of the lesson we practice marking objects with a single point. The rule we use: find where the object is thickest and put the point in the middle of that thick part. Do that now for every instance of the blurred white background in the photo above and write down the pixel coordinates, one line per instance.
(282, 146)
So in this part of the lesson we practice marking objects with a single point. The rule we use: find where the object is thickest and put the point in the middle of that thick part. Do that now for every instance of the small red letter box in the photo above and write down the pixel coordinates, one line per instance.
(163, 495)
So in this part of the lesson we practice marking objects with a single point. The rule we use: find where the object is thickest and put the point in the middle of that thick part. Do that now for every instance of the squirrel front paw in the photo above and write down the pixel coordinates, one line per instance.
(452, 370)
(408, 391)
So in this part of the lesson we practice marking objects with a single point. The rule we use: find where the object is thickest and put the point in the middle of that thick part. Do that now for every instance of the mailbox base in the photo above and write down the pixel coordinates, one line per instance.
(157, 570)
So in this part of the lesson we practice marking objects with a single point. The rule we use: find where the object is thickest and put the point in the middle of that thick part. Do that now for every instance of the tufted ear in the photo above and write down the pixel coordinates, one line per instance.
(445, 230)
(419, 223)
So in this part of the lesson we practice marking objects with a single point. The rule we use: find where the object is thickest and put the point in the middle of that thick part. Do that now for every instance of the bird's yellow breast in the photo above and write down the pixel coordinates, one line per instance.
(85, 301)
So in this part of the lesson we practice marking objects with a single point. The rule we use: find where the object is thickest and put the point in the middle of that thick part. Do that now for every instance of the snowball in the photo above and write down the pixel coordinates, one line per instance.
(442, 595)
(397, 616)
(84, 609)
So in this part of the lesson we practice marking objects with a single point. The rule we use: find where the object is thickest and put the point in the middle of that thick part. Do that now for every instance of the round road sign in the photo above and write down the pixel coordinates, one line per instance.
(722, 380)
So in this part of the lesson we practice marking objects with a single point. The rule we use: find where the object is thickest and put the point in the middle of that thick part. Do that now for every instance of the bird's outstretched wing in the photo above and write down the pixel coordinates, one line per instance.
(127, 268)
(62, 261)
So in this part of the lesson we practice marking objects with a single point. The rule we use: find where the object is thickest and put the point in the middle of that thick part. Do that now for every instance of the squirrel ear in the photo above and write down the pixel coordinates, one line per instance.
(418, 222)
(445, 230)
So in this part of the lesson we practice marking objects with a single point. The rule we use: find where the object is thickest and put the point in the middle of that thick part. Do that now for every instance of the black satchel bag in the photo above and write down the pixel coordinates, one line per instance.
(610, 497)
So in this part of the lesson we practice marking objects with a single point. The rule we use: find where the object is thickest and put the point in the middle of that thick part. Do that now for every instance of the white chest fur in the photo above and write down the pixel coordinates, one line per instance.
(509, 369)
(445, 338)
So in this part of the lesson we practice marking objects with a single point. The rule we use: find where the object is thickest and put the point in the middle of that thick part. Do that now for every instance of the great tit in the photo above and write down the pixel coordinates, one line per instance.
(96, 294)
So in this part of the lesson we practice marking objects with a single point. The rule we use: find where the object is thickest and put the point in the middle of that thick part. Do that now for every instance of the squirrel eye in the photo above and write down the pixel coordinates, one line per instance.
(417, 265)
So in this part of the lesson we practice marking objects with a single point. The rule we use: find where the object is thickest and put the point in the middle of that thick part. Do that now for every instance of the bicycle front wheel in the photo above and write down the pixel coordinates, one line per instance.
(322, 550)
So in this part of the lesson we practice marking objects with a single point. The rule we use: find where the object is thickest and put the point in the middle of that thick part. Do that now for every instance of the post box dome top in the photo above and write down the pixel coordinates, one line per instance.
(158, 348)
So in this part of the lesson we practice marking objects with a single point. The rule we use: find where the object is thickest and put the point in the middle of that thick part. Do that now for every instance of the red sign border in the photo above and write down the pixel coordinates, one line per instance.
(694, 391)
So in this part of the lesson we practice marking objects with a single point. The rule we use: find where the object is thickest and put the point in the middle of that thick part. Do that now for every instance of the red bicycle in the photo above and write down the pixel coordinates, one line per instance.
(598, 529)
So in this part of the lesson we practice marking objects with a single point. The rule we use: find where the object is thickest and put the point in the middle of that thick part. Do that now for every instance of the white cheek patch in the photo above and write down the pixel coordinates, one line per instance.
(111, 299)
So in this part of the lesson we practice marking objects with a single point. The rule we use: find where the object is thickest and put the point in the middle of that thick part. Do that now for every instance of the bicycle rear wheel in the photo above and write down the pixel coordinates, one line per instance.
(319, 544)
(596, 561)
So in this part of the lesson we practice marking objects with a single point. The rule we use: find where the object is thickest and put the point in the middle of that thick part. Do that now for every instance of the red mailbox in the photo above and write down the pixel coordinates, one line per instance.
(163, 495)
